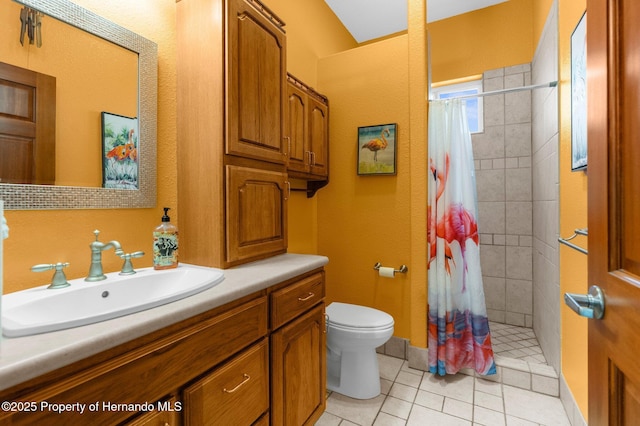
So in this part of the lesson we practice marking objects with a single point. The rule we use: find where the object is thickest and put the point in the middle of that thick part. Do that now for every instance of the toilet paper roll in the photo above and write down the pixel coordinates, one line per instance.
(387, 272)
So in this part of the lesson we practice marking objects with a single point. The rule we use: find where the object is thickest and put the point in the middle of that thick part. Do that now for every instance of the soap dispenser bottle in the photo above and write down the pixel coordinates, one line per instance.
(165, 244)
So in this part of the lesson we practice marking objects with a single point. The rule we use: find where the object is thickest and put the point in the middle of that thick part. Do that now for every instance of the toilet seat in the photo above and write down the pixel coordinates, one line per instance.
(346, 316)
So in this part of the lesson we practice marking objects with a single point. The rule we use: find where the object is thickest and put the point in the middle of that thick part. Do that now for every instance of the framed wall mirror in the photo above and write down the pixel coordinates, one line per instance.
(102, 67)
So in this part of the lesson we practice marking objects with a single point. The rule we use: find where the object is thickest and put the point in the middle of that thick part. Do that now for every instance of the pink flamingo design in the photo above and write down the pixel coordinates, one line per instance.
(458, 224)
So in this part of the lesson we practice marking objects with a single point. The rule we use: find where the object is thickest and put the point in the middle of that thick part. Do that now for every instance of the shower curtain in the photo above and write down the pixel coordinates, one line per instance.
(459, 334)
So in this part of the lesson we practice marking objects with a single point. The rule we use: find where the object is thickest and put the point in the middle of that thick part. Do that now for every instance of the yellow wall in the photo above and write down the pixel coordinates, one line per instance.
(418, 108)
(304, 21)
(365, 219)
(64, 236)
(62, 55)
(313, 31)
(573, 214)
(485, 39)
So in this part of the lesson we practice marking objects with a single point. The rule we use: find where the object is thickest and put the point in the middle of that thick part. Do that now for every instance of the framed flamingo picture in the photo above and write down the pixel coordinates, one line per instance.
(119, 151)
(377, 149)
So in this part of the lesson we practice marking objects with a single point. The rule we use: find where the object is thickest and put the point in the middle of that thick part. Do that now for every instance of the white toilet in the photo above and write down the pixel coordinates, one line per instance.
(353, 334)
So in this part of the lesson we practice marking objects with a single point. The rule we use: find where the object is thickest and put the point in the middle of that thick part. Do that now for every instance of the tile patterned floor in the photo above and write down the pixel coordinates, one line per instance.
(511, 341)
(413, 398)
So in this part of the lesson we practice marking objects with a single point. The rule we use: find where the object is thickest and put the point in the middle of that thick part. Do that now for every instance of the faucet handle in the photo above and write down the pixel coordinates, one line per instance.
(59, 279)
(127, 266)
(96, 233)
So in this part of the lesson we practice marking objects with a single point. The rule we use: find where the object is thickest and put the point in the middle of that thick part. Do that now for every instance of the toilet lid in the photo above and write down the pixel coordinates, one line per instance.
(356, 316)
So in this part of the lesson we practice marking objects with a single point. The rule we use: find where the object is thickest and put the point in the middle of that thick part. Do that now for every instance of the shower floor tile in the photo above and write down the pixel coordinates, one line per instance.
(516, 342)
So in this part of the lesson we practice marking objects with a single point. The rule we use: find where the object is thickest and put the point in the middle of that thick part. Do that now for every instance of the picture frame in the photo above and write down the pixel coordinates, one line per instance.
(120, 155)
(579, 95)
(377, 150)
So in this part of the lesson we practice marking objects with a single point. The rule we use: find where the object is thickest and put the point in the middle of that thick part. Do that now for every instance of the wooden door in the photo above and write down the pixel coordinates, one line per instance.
(613, 43)
(297, 129)
(256, 87)
(298, 370)
(319, 136)
(27, 126)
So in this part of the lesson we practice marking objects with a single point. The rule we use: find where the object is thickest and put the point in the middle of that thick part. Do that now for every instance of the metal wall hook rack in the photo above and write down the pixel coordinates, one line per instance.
(403, 268)
(576, 232)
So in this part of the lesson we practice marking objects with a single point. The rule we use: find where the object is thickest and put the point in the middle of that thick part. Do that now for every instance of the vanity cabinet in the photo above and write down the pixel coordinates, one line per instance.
(143, 371)
(258, 360)
(231, 86)
(307, 132)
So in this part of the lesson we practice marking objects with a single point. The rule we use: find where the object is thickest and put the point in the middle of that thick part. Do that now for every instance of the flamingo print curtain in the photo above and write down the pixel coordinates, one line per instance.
(459, 334)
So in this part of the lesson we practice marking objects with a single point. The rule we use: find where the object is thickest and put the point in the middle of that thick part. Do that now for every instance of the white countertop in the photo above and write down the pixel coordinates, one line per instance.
(23, 358)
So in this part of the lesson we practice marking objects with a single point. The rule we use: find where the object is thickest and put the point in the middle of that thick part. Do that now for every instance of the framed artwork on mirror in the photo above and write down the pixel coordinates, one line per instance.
(119, 151)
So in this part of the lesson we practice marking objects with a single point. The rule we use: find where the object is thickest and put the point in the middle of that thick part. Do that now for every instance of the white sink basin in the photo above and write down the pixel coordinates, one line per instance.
(40, 310)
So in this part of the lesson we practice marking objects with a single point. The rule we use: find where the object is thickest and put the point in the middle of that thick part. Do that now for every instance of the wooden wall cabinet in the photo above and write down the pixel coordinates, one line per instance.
(307, 133)
(259, 360)
(231, 70)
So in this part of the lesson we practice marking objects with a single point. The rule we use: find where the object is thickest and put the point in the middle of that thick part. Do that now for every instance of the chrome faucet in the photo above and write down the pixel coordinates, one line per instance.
(95, 271)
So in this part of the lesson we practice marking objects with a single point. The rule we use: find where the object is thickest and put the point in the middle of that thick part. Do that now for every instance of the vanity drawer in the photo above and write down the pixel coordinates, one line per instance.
(235, 393)
(294, 299)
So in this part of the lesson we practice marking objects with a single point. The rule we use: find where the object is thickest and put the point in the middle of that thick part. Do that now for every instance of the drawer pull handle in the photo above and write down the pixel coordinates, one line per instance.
(307, 297)
(246, 379)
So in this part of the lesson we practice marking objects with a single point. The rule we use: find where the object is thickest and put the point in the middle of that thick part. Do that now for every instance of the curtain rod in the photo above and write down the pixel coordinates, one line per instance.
(513, 89)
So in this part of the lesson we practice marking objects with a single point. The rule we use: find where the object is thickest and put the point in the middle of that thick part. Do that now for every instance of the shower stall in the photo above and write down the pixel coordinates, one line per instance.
(516, 161)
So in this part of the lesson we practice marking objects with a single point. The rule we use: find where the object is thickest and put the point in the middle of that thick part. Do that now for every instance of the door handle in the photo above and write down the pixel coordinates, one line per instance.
(590, 305)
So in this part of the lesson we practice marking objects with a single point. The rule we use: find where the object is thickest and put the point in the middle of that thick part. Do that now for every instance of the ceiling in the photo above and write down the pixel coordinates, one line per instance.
(370, 19)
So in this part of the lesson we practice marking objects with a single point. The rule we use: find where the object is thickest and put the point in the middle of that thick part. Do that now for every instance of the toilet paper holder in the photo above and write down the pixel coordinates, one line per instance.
(403, 268)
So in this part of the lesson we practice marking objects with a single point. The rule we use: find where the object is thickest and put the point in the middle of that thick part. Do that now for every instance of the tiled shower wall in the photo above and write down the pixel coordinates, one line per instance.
(502, 156)
(546, 270)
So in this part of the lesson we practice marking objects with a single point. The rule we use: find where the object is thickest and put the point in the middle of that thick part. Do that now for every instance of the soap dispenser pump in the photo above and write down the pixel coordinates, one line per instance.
(165, 244)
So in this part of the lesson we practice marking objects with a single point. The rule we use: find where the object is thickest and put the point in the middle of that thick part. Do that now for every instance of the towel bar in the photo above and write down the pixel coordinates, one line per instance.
(576, 232)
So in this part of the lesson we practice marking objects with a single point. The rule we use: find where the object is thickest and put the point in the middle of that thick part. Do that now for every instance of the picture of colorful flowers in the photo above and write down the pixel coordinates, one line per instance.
(119, 151)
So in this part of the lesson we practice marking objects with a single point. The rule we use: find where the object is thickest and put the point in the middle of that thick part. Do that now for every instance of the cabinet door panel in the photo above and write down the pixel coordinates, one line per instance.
(319, 136)
(296, 129)
(298, 370)
(256, 213)
(256, 90)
